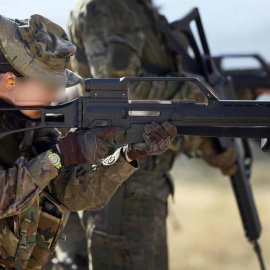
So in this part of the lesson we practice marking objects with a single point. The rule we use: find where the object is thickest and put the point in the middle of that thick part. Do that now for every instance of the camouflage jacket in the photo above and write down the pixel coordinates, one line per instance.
(116, 38)
(36, 198)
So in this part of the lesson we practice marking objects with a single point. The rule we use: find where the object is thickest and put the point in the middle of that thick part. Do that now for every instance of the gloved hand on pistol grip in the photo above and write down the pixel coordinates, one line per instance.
(89, 146)
(157, 139)
(225, 161)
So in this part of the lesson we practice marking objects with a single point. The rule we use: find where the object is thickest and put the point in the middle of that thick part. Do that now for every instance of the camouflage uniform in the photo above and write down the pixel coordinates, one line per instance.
(31, 184)
(36, 198)
(116, 38)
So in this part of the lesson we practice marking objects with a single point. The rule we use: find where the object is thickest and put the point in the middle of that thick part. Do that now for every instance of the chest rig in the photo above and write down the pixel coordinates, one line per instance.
(27, 240)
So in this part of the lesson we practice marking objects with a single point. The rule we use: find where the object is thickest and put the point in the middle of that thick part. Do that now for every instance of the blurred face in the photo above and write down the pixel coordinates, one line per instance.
(28, 92)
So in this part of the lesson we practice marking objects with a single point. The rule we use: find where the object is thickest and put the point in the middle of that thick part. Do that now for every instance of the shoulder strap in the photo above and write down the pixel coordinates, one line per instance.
(9, 147)
(189, 63)
(14, 146)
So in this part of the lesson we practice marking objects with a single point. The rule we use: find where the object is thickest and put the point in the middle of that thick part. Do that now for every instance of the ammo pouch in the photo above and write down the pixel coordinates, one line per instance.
(36, 233)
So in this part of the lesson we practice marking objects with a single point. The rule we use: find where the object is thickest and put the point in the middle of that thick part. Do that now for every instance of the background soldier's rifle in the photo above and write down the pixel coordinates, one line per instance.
(223, 86)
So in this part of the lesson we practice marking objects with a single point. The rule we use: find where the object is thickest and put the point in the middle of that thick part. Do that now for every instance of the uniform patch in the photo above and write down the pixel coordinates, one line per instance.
(108, 161)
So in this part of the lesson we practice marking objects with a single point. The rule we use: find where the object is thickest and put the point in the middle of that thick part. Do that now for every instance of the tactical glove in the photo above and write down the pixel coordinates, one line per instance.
(157, 139)
(89, 146)
(225, 161)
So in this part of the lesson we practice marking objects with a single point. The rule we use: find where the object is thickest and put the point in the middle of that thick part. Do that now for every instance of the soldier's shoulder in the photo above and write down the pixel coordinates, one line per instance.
(88, 7)
(93, 14)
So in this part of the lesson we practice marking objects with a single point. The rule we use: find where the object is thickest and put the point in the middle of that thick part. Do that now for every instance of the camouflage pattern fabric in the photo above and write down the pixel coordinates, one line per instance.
(116, 38)
(75, 255)
(40, 42)
(28, 232)
(142, 241)
(50, 51)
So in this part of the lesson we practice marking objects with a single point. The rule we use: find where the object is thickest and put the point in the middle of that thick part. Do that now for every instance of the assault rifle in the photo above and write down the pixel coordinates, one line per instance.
(108, 105)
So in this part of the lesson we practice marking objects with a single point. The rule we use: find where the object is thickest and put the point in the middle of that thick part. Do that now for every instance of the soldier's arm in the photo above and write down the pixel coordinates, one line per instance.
(81, 187)
(20, 184)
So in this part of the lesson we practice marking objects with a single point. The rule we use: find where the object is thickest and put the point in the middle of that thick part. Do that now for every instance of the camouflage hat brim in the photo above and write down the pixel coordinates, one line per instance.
(19, 56)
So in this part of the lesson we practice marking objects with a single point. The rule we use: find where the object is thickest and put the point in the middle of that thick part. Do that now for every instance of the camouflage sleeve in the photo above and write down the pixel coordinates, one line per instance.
(81, 188)
(21, 184)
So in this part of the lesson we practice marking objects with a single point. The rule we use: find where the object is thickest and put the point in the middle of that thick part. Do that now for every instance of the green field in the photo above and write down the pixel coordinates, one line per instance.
(204, 227)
